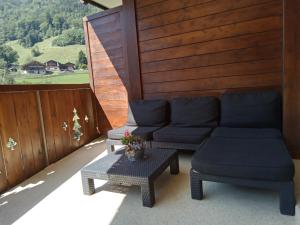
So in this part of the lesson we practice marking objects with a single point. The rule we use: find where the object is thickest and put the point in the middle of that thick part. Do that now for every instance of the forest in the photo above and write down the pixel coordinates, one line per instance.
(32, 21)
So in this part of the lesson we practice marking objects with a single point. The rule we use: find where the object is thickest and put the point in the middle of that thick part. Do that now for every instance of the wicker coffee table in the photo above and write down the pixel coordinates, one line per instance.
(116, 168)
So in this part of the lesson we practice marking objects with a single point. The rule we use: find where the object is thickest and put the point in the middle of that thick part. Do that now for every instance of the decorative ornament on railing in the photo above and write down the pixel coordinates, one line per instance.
(86, 119)
(65, 126)
(77, 126)
(11, 144)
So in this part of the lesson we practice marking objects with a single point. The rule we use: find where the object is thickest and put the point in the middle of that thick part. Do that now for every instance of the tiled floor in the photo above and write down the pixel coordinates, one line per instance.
(54, 196)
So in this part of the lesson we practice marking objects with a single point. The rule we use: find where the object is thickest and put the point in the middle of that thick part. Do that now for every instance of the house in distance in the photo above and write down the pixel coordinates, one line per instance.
(50, 66)
(53, 65)
(34, 67)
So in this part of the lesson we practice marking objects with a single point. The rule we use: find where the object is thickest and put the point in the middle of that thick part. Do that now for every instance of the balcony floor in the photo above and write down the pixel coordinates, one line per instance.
(54, 196)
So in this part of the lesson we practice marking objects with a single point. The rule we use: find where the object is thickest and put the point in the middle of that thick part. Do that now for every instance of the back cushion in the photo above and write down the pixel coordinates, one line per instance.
(254, 109)
(195, 112)
(148, 113)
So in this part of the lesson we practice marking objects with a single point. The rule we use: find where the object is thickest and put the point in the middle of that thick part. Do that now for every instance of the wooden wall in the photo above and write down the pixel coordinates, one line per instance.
(204, 47)
(199, 47)
(109, 79)
(33, 116)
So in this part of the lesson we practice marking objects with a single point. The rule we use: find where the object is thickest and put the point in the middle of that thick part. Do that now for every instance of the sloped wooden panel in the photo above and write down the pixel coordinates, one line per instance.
(108, 65)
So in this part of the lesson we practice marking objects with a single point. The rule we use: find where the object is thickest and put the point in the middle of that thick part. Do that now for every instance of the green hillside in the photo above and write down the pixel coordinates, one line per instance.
(62, 54)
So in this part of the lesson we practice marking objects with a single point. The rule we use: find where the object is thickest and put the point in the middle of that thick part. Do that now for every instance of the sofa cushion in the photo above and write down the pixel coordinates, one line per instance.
(228, 132)
(188, 135)
(144, 132)
(153, 113)
(262, 159)
(195, 112)
(254, 109)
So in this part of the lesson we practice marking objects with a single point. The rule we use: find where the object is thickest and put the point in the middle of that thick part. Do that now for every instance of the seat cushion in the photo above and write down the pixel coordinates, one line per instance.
(228, 132)
(144, 132)
(262, 159)
(254, 109)
(152, 113)
(195, 112)
(188, 135)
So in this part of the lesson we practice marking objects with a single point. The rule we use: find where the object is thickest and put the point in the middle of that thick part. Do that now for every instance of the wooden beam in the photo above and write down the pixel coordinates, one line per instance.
(41, 87)
(291, 109)
(131, 50)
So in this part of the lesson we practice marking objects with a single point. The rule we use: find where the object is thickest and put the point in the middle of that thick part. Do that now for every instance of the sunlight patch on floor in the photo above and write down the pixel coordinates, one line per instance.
(20, 189)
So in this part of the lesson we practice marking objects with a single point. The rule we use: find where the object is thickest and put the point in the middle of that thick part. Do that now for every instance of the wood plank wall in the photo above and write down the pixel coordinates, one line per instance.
(207, 47)
(30, 113)
(203, 47)
(105, 45)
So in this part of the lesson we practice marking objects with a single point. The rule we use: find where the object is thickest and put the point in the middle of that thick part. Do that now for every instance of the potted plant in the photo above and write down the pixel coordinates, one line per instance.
(134, 146)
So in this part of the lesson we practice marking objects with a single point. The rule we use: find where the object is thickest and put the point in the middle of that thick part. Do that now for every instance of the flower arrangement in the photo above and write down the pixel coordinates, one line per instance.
(134, 146)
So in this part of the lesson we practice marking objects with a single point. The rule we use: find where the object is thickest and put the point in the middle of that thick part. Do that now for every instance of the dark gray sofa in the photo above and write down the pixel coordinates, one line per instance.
(144, 117)
(192, 120)
(247, 149)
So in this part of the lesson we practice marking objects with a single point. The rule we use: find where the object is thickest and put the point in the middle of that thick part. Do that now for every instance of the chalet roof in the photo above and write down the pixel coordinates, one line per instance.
(33, 64)
(52, 61)
(69, 63)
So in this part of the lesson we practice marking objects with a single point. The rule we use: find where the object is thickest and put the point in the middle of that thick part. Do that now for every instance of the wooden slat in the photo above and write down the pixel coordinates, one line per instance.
(240, 55)
(3, 178)
(9, 129)
(273, 79)
(240, 42)
(36, 134)
(235, 16)
(215, 92)
(143, 3)
(232, 30)
(23, 117)
(167, 6)
(90, 125)
(234, 69)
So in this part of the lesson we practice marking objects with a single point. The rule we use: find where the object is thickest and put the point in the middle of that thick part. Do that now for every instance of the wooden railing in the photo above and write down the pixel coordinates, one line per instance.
(36, 127)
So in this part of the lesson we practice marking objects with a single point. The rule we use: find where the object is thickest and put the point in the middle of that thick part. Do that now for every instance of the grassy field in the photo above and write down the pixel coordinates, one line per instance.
(78, 77)
(61, 54)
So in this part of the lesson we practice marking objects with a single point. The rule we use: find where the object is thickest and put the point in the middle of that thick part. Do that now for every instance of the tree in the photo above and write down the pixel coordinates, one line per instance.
(69, 37)
(32, 21)
(82, 60)
(35, 52)
(8, 55)
(4, 75)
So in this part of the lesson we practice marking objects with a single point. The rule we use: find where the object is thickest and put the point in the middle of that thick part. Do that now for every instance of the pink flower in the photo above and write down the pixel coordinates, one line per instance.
(126, 134)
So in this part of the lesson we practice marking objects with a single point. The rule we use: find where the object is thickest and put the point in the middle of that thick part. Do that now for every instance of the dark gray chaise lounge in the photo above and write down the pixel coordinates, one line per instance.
(247, 149)
(144, 117)
(192, 121)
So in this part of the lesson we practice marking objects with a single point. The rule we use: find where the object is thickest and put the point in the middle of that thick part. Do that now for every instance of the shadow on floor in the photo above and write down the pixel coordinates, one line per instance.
(223, 204)
(25, 196)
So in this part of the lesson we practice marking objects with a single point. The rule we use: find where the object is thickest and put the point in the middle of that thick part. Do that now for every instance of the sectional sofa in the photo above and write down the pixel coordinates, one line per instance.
(237, 139)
